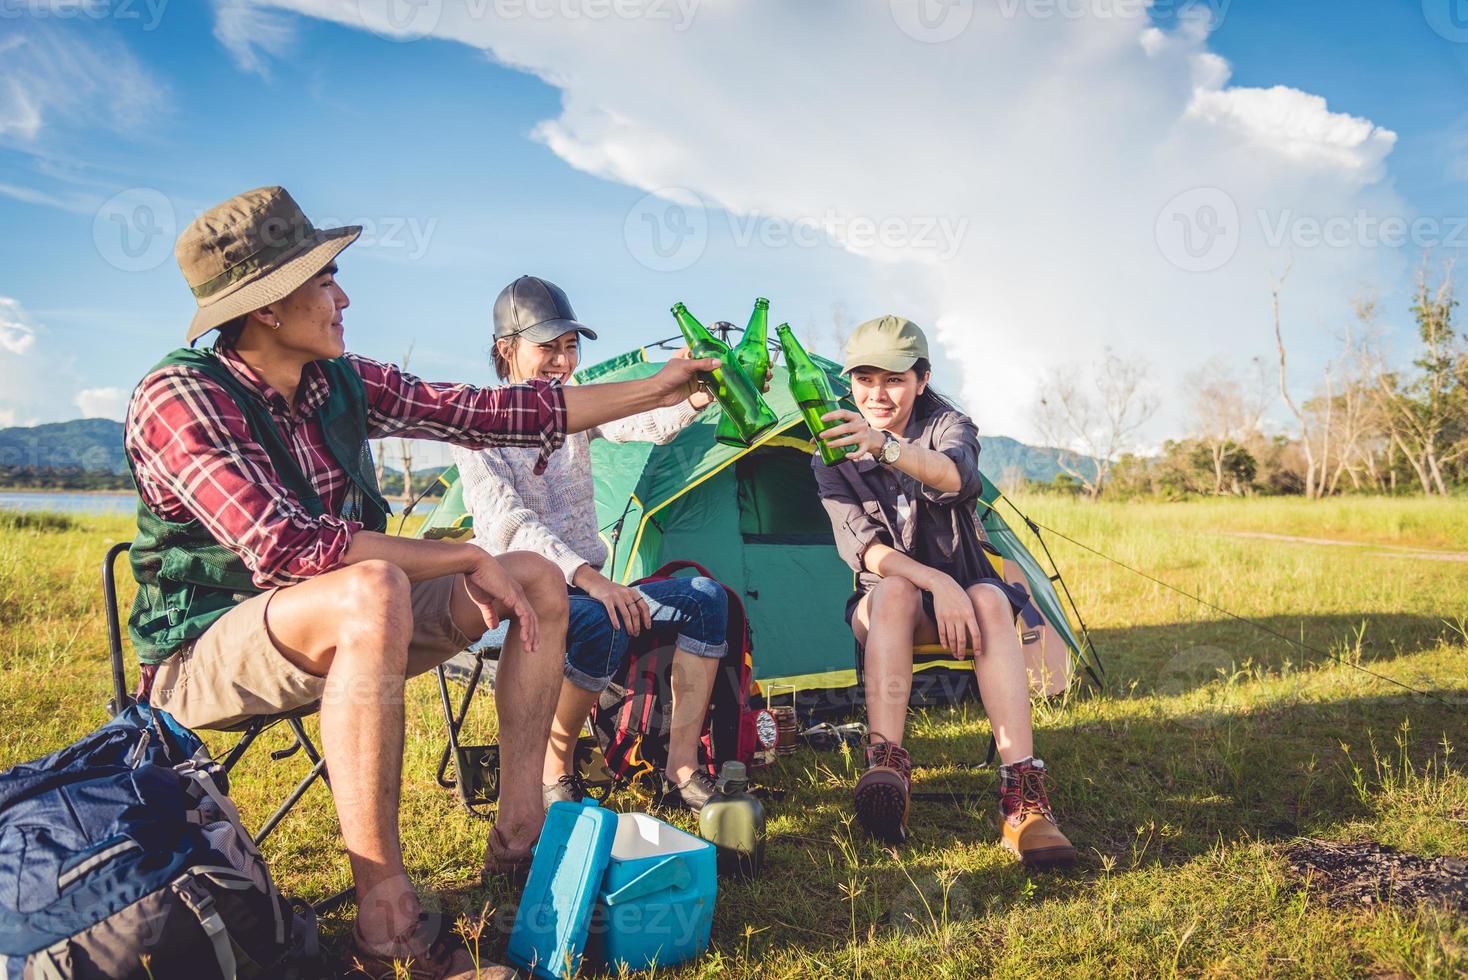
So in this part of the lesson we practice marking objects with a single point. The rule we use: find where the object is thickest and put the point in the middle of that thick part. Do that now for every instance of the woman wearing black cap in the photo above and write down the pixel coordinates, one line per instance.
(537, 337)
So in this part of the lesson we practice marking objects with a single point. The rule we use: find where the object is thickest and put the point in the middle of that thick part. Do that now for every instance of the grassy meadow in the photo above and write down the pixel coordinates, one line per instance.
(1215, 748)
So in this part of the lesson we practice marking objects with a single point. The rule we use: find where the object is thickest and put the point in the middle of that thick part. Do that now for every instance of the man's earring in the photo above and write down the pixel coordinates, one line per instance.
(275, 325)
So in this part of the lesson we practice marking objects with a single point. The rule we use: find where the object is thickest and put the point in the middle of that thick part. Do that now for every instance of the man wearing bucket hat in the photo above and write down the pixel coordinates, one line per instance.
(266, 582)
(903, 515)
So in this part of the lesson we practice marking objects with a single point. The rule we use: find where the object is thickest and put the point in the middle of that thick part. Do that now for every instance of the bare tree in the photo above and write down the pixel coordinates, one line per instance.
(1422, 413)
(405, 446)
(1307, 432)
(841, 325)
(1226, 410)
(1091, 430)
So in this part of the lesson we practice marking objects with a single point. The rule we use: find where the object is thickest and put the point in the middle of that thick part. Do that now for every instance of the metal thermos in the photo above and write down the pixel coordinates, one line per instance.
(734, 822)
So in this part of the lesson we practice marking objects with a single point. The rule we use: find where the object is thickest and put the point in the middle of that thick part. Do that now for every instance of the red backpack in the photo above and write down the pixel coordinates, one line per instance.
(633, 715)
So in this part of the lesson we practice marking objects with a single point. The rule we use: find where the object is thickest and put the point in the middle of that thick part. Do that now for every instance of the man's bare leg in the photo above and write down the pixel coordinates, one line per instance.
(692, 682)
(526, 691)
(352, 626)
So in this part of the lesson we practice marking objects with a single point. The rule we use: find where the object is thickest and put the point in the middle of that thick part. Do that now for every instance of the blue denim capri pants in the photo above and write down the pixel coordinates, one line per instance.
(698, 608)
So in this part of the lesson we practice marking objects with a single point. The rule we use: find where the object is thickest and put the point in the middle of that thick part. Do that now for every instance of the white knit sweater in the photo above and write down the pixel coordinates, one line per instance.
(555, 514)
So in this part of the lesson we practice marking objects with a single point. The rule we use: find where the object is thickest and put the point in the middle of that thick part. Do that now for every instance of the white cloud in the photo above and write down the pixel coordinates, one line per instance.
(1058, 142)
(102, 403)
(73, 77)
(17, 335)
(252, 34)
(36, 379)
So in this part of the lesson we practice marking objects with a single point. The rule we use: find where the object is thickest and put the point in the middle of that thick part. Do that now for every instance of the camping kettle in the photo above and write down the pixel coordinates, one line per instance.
(734, 822)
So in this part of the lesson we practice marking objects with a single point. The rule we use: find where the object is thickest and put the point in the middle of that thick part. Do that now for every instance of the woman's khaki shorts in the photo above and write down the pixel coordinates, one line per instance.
(234, 672)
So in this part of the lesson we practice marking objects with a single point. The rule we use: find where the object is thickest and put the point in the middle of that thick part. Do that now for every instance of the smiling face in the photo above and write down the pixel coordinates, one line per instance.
(886, 398)
(310, 319)
(554, 360)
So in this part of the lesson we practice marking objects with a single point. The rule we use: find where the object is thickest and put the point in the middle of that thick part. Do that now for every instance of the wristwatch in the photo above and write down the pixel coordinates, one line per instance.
(891, 449)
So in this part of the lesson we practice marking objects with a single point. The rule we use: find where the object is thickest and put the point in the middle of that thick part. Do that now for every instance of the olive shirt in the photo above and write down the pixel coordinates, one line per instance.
(941, 532)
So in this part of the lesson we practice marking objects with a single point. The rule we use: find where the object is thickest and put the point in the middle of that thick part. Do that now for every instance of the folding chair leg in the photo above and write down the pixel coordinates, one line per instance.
(318, 771)
(476, 767)
(240, 747)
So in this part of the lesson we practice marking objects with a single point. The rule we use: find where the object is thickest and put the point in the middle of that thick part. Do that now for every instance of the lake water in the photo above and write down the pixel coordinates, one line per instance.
(70, 503)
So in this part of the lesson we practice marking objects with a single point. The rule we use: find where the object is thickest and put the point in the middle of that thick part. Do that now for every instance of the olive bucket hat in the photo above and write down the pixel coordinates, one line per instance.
(891, 343)
(253, 250)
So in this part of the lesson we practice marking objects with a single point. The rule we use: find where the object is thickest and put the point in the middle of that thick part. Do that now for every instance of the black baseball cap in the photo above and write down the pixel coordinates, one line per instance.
(537, 310)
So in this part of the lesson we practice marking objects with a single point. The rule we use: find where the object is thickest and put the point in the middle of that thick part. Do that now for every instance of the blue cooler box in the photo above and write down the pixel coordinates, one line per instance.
(628, 890)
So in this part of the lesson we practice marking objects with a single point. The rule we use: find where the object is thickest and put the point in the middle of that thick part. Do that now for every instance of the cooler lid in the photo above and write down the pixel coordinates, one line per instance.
(554, 917)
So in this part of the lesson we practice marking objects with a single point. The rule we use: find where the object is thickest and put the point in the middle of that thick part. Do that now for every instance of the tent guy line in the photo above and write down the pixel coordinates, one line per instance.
(1036, 526)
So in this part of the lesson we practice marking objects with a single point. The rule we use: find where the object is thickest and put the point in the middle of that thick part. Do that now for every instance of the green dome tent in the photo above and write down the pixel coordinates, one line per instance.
(753, 518)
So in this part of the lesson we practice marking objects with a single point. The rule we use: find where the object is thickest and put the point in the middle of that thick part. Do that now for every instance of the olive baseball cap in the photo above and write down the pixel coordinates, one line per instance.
(537, 310)
(892, 343)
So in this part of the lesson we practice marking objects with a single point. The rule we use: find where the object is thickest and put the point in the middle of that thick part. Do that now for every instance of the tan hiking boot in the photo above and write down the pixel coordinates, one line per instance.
(1027, 825)
(883, 792)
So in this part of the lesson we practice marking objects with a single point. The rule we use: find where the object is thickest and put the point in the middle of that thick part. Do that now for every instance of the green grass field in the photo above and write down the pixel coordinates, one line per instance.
(1214, 749)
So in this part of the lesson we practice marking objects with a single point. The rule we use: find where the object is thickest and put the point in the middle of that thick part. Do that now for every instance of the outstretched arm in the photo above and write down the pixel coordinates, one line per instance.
(588, 406)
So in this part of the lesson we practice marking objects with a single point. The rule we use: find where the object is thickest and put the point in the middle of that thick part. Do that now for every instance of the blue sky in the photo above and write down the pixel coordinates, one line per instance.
(1018, 166)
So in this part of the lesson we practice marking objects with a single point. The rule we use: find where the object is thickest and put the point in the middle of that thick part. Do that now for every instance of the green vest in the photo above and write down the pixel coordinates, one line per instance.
(186, 578)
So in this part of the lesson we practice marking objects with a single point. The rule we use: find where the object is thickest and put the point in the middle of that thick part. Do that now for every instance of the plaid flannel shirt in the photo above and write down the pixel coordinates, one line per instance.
(194, 457)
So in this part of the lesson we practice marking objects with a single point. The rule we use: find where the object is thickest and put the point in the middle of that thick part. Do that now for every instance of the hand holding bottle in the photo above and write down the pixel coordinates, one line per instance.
(852, 429)
(679, 378)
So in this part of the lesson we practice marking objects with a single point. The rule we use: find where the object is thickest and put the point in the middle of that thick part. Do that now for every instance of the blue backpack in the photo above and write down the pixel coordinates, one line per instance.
(121, 856)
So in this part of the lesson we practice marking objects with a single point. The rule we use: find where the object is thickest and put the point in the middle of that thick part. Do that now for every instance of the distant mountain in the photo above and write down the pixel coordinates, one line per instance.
(96, 444)
(81, 444)
(1002, 456)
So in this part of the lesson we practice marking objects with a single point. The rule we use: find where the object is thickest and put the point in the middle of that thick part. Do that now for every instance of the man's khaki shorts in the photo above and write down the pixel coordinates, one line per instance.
(234, 672)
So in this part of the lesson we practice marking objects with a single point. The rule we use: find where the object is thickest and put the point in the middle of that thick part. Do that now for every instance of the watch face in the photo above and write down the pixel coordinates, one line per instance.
(765, 729)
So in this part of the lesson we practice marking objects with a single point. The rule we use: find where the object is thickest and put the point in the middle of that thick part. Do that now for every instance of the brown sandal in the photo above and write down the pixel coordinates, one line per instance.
(445, 959)
(501, 859)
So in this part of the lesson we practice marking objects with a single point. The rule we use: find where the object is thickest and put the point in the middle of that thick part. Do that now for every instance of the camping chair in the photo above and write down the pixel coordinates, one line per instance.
(476, 768)
(248, 732)
(473, 771)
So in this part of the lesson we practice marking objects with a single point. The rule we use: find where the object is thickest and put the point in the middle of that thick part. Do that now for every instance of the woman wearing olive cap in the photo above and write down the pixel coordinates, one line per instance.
(903, 515)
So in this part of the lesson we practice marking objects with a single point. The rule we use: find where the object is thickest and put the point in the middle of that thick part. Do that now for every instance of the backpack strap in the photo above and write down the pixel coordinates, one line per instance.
(54, 962)
(674, 567)
(201, 903)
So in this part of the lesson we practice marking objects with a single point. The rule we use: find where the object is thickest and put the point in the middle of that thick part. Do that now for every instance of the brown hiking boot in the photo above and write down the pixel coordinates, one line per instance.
(1027, 824)
(883, 792)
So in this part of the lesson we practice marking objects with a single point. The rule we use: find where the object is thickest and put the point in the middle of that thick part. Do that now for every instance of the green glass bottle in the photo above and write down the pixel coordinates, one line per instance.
(737, 395)
(753, 355)
(812, 393)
